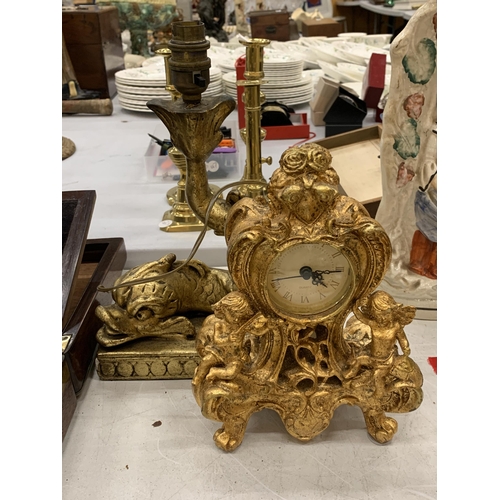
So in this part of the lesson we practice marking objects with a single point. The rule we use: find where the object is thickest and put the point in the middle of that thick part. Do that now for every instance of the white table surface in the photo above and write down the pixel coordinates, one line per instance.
(387, 11)
(130, 203)
(112, 450)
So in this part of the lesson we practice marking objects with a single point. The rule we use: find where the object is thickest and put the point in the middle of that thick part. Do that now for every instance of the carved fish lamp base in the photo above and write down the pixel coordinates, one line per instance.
(149, 331)
(173, 357)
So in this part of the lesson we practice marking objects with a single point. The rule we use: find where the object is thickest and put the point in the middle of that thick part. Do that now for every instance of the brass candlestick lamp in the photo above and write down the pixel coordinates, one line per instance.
(180, 218)
(252, 134)
(194, 123)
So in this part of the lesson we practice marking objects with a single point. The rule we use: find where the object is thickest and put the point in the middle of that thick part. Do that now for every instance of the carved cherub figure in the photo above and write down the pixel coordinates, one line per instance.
(386, 318)
(223, 356)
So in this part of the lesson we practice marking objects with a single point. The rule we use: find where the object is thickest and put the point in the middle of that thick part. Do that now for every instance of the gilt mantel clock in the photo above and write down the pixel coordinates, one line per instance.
(306, 331)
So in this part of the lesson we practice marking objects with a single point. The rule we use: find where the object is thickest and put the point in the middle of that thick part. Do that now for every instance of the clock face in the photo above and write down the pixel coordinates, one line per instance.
(309, 278)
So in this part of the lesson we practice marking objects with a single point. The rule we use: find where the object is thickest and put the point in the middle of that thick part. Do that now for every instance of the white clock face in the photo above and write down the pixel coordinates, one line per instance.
(309, 278)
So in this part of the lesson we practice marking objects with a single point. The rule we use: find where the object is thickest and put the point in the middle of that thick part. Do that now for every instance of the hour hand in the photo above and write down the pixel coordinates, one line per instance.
(330, 271)
(317, 278)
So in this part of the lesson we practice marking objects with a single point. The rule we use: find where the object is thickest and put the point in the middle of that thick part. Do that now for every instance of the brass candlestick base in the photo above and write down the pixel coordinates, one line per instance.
(180, 218)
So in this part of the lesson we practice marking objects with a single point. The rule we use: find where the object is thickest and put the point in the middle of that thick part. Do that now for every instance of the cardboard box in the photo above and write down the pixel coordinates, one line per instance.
(321, 27)
(327, 90)
(356, 158)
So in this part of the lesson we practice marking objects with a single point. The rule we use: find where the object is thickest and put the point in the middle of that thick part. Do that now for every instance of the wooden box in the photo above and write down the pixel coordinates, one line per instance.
(321, 27)
(270, 24)
(102, 264)
(68, 398)
(86, 264)
(93, 39)
(356, 158)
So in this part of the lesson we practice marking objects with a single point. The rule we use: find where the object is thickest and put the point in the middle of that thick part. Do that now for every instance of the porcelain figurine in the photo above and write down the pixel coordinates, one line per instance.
(408, 210)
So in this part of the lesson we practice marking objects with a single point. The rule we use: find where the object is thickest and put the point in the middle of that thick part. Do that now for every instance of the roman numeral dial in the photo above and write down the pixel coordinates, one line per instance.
(309, 278)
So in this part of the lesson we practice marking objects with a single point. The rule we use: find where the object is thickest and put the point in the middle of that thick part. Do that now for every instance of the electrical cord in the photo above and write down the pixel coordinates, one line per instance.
(197, 243)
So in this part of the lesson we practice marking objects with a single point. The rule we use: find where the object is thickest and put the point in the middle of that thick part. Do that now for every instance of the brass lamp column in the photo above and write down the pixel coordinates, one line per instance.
(194, 123)
(252, 134)
(180, 218)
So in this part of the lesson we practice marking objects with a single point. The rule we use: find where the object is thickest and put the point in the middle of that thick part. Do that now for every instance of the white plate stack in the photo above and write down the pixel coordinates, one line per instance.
(137, 86)
(284, 79)
(287, 92)
(224, 57)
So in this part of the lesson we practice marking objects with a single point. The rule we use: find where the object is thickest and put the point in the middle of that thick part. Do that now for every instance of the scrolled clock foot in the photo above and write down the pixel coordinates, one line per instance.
(227, 442)
(380, 427)
(230, 435)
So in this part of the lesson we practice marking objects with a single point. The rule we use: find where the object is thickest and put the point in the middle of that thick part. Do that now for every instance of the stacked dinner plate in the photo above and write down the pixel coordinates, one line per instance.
(292, 92)
(225, 57)
(137, 86)
(284, 79)
(360, 53)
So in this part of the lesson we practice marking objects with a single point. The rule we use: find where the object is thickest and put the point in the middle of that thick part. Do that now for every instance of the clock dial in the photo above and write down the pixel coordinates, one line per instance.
(309, 278)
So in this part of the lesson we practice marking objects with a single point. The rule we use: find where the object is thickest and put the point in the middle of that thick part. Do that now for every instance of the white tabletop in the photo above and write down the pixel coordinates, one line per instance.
(109, 159)
(387, 11)
(130, 440)
(148, 439)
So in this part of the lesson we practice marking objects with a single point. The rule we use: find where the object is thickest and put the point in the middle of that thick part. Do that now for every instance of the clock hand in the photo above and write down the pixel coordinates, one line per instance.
(286, 278)
(329, 271)
(305, 273)
(318, 281)
(317, 276)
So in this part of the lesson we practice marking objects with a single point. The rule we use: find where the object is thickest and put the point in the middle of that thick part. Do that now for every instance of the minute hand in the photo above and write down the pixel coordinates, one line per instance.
(286, 278)
(329, 271)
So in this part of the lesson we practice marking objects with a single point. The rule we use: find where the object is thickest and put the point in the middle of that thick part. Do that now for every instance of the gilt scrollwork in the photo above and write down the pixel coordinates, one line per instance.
(255, 357)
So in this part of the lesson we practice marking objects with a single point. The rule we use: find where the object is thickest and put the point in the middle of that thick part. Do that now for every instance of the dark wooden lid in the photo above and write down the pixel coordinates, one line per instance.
(77, 209)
